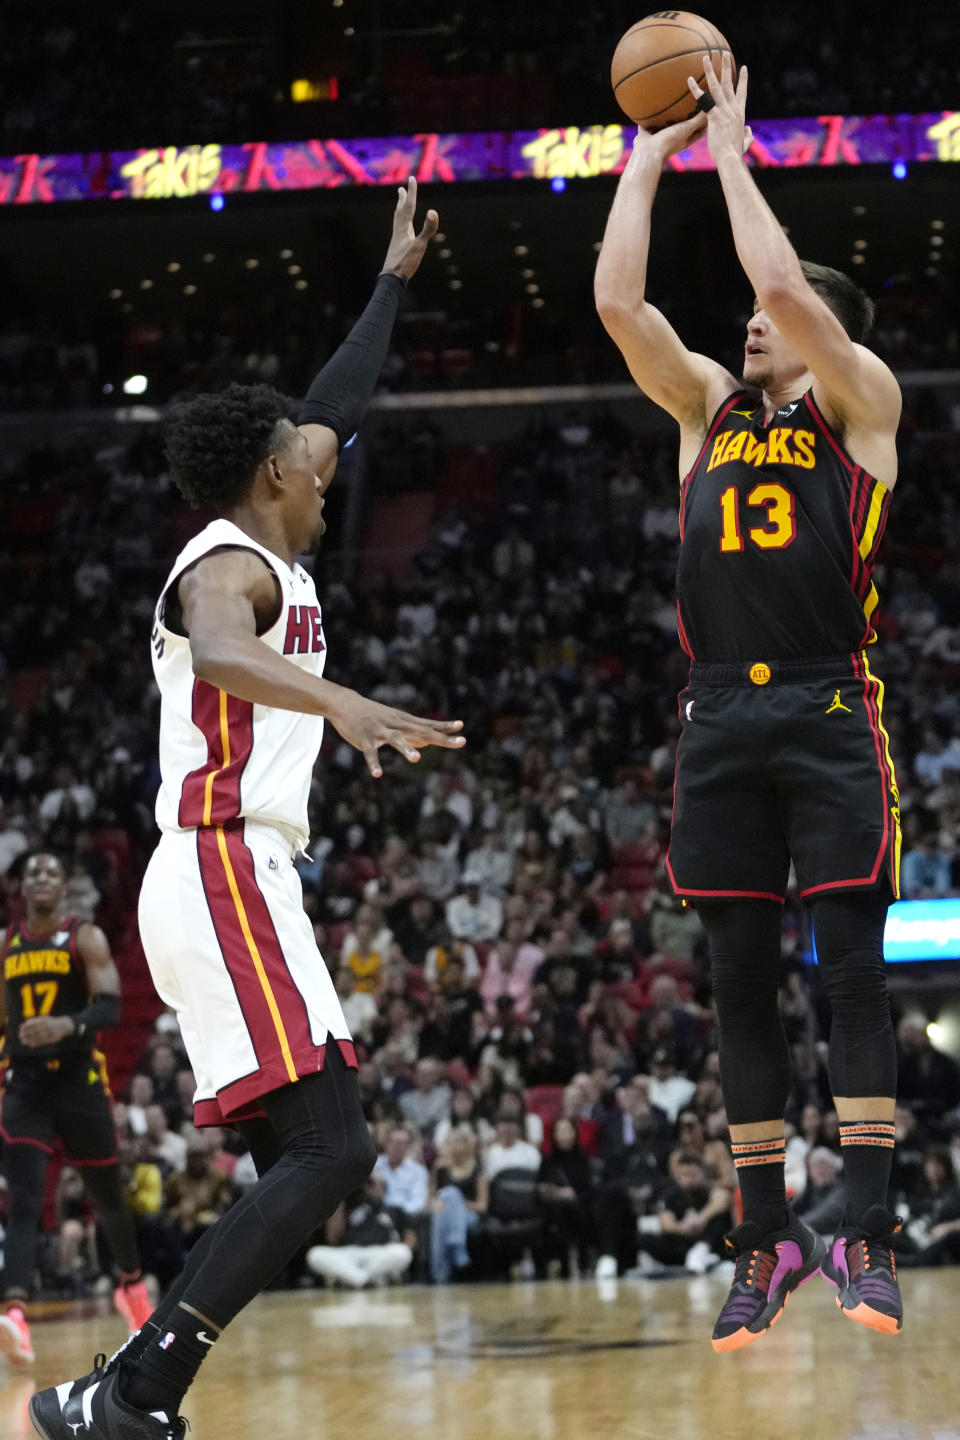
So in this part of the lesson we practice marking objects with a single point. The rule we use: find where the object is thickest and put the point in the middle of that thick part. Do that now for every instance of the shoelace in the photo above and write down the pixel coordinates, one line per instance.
(876, 1253)
(880, 1252)
(753, 1267)
(97, 1373)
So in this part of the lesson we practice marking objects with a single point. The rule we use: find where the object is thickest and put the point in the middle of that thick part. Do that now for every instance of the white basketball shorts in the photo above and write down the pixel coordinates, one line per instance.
(231, 949)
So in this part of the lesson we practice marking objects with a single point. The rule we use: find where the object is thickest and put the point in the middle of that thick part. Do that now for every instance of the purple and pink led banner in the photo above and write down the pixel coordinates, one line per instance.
(571, 153)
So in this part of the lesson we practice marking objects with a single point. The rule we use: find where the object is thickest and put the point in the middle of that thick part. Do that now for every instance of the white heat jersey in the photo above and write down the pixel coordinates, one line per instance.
(222, 758)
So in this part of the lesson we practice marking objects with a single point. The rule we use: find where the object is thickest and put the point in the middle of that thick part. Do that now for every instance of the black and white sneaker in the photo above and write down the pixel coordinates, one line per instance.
(51, 1405)
(96, 1412)
(47, 1406)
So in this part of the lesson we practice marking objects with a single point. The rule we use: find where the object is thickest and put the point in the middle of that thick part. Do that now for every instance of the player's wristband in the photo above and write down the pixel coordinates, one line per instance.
(103, 1013)
(340, 394)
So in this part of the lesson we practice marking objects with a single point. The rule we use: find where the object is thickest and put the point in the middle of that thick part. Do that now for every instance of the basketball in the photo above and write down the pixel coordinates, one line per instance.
(653, 60)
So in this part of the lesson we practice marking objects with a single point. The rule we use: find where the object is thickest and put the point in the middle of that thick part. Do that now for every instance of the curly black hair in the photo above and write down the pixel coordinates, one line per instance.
(215, 442)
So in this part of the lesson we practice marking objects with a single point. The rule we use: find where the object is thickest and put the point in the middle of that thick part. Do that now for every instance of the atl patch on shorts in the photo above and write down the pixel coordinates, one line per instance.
(781, 761)
(231, 949)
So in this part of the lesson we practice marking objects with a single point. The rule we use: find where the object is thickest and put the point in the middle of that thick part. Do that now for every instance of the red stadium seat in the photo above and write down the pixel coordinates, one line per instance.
(456, 362)
(635, 878)
(362, 868)
(682, 970)
(483, 948)
(588, 1133)
(640, 853)
(114, 843)
(545, 1101)
(539, 1096)
(336, 934)
(633, 992)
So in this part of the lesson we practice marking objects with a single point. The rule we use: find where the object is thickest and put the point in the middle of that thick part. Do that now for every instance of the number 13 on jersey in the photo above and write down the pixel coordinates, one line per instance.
(780, 525)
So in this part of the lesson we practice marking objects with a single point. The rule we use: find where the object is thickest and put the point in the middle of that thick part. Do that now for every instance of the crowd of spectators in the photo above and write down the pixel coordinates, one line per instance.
(131, 76)
(532, 1007)
(121, 76)
(626, 1168)
(803, 60)
(80, 359)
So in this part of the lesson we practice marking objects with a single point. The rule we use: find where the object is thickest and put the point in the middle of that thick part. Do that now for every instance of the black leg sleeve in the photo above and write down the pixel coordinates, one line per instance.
(26, 1172)
(755, 1069)
(264, 1145)
(849, 936)
(102, 1184)
(326, 1153)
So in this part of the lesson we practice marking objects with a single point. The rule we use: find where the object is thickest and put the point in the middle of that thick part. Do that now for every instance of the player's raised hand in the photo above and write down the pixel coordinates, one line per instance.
(725, 105)
(658, 146)
(407, 245)
(366, 725)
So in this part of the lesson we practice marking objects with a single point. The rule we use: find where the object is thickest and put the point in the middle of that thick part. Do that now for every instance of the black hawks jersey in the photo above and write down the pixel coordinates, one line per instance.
(778, 533)
(43, 975)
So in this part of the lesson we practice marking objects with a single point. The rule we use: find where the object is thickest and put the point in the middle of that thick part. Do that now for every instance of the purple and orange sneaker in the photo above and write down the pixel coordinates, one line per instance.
(768, 1269)
(861, 1265)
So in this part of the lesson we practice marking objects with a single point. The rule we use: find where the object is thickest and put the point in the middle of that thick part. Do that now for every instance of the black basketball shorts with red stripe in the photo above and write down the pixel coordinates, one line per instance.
(781, 761)
(44, 1102)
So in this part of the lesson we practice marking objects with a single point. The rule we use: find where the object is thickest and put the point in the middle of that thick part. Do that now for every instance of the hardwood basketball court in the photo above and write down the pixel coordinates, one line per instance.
(552, 1361)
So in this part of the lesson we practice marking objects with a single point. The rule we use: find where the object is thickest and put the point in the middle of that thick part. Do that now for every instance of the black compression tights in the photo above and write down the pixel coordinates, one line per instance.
(755, 1067)
(863, 1046)
(26, 1171)
(310, 1152)
(25, 1167)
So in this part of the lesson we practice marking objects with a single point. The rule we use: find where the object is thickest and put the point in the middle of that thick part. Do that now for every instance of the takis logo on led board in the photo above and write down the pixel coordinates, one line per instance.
(554, 155)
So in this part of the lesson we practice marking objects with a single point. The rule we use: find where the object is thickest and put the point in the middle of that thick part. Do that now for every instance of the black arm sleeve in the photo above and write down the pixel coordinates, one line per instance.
(340, 394)
(103, 1013)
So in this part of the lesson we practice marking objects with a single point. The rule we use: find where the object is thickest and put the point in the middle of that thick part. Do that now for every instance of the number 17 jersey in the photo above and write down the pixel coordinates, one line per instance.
(44, 975)
(779, 530)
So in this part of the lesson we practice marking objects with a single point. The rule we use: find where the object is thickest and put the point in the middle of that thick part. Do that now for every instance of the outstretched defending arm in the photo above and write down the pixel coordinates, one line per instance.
(688, 386)
(220, 597)
(338, 398)
(852, 383)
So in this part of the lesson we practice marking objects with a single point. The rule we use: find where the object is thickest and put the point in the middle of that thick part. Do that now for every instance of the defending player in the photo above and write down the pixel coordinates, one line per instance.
(782, 753)
(60, 989)
(239, 651)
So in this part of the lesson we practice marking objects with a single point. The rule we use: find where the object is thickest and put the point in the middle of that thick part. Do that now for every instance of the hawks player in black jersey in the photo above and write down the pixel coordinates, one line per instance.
(60, 987)
(786, 478)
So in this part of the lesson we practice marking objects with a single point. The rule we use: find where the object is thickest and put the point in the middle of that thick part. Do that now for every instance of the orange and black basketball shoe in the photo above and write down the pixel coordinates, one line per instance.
(861, 1265)
(768, 1268)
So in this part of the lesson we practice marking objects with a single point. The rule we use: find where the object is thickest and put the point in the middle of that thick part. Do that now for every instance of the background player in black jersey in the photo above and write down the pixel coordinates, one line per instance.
(782, 754)
(60, 988)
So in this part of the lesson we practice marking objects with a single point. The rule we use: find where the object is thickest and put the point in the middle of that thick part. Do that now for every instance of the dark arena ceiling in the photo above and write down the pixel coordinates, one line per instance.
(509, 244)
